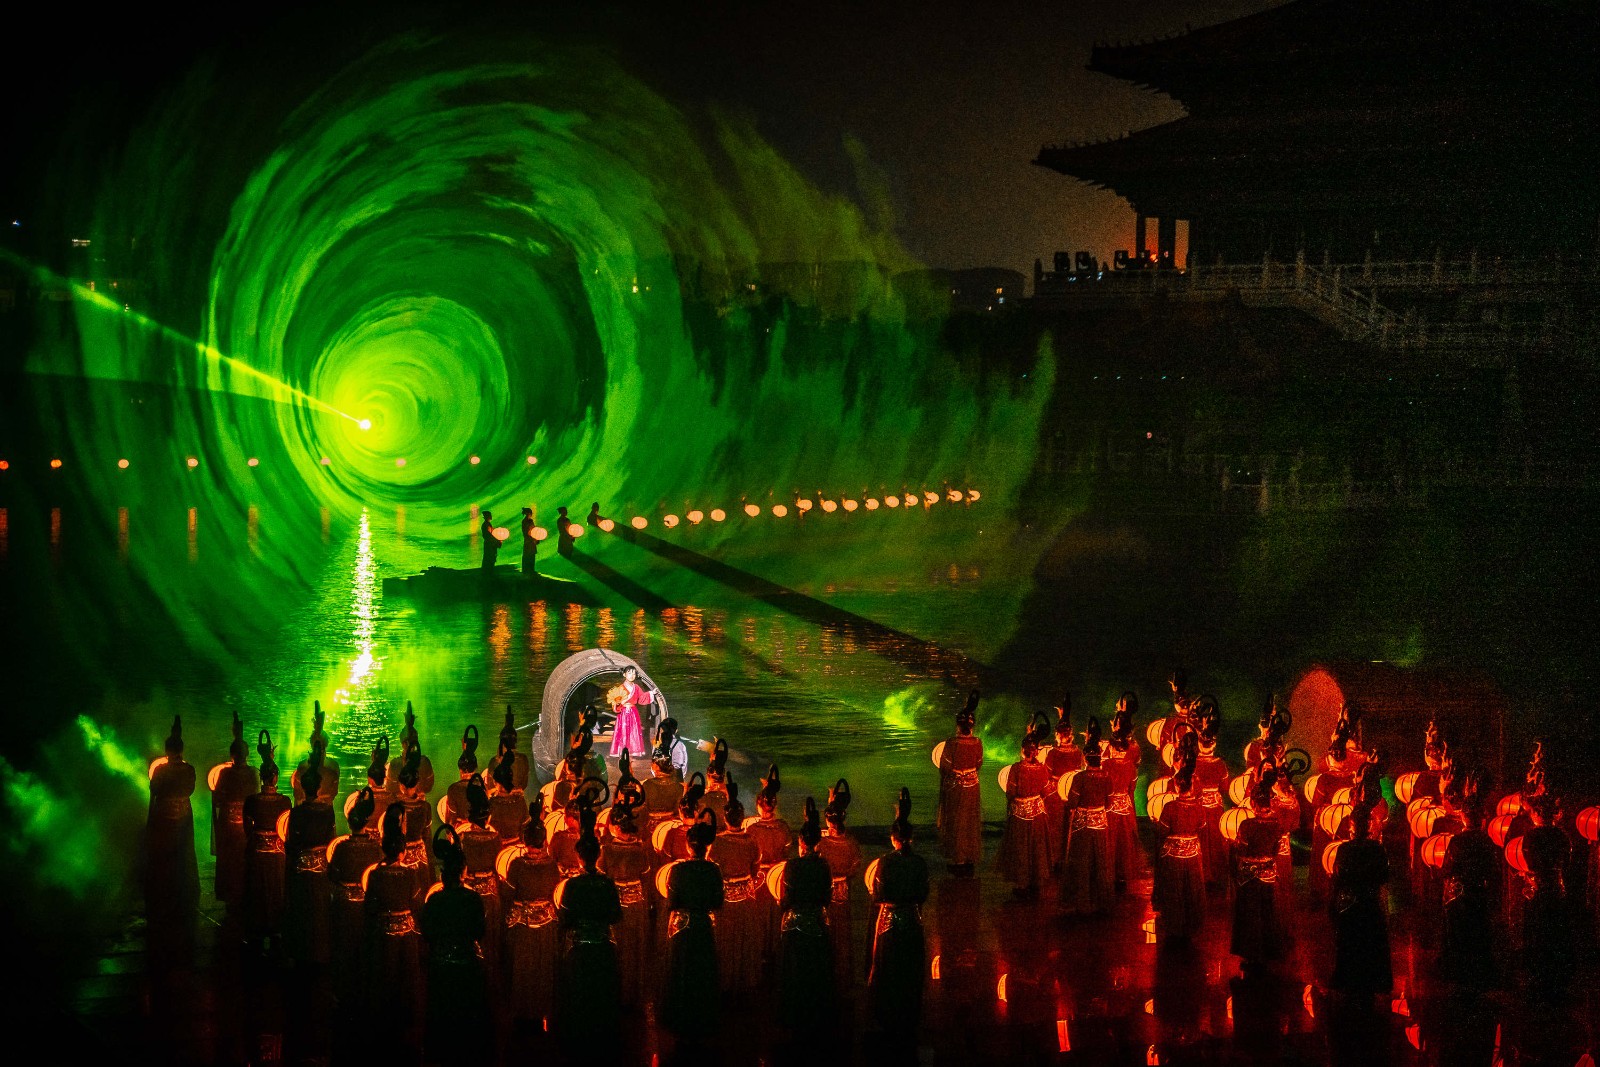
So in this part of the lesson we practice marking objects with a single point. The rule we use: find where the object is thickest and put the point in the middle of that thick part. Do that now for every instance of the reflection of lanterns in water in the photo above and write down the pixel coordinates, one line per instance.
(717, 514)
(780, 510)
(891, 501)
(501, 533)
(670, 521)
(752, 510)
(1232, 819)
(639, 522)
(1434, 848)
(1405, 785)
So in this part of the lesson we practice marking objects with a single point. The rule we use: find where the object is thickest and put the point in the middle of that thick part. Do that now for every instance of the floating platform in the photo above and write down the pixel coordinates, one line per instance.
(446, 585)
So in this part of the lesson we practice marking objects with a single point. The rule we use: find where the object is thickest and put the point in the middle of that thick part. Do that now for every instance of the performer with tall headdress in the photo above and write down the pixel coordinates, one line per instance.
(667, 740)
(530, 877)
(480, 849)
(384, 788)
(171, 872)
(455, 795)
(960, 807)
(1257, 931)
(264, 862)
(1183, 710)
(1088, 883)
(843, 857)
(587, 907)
(899, 889)
(530, 545)
(508, 750)
(694, 891)
(418, 823)
(393, 950)
(628, 699)
(460, 1026)
(307, 894)
(328, 782)
(1120, 760)
(1268, 743)
(1361, 968)
(1338, 772)
(1548, 923)
(1471, 891)
(663, 789)
(348, 859)
(411, 742)
(507, 803)
(806, 991)
(1286, 810)
(1064, 758)
(1211, 780)
(625, 858)
(1024, 857)
(231, 783)
(775, 841)
(1180, 886)
(716, 798)
(672, 843)
(739, 930)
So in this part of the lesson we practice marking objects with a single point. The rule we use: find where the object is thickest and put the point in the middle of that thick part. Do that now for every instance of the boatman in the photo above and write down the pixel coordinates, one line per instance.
(530, 546)
(491, 543)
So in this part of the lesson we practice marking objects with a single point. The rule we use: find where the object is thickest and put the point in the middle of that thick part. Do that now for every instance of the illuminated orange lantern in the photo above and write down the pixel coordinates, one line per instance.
(1169, 754)
(851, 505)
(1434, 848)
(1308, 788)
(214, 774)
(1423, 821)
(1152, 733)
(1232, 819)
(1004, 777)
(1156, 806)
(670, 521)
(1510, 804)
(501, 533)
(658, 838)
(283, 827)
(1405, 785)
(1330, 857)
(156, 764)
(1497, 829)
(1588, 823)
(696, 516)
(606, 526)
(540, 533)
(1332, 817)
(440, 810)
(938, 753)
(871, 876)
(639, 522)
(663, 876)
(717, 514)
(829, 506)
(1515, 856)
(775, 880)
(1238, 789)
(872, 503)
(1341, 796)
(508, 855)
(1159, 787)
(574, 531)
(780, 510)
(1064, 786)
(891, 501)
(1418, 804)
(556, 822)
(803, 506)
(752, 510)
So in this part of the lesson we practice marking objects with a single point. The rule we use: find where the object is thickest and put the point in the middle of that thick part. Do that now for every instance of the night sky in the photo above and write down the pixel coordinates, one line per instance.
(947, 104)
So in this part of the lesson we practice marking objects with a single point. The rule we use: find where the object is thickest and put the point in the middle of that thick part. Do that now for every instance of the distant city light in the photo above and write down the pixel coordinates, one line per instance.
(122, 464)
(192, 462)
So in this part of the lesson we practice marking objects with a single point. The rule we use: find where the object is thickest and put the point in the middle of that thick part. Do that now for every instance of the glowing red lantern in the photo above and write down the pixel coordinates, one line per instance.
(1498, 828)
(1309, 787)
(1423, 821)
(1169, 755)
(1332, 817)
(1434, 848)
(1064, 786)
(213, 775)
(663, 876)
(1159, 787)
(508, 855)
(1405, 785)
(775, 880)
(1152, 733)
(1418, 804)
(1341, 796)
(283, 827)
(1004, 777)
(1238, 789)
(1330, 857)
(1156, 806)
(1232, 819)
(1510, 804)
(1588, 823)
(1515, 855)
(871, 876)
(938, 753)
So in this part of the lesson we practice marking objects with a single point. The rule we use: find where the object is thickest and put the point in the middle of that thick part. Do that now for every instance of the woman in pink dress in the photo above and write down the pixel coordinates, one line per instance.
(627, 732)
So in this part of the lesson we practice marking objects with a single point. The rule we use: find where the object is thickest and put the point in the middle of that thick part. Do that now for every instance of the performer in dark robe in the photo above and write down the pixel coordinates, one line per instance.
(843, 856)
(1211, 778)
(1024, 857)
(1183, 708)
(491, 543)
(418, 856)
(507, 803)
(308, 897)
(1471, 875)
(715, 799)
(379, 780)
(625, 859)
(171, 871)
(1180, 886)
(1257, 938)
(1361, 968)
(587, 907)
(519, 759)
(1088, 876)
(662, 792)
(530, 545)
(480, 848)
(328, 782)
(694, 890)
(775, 841)
(564, 536)
(392, 954)
(1286, 808)
(960, 816)
(806, 992)
(460, 1027)
(349, 858)
(264, 862)
(410, 744)
(531, 944)
(1548, 924)
(737, 856)
(1120, 760)
(231, 784)
(899, 889)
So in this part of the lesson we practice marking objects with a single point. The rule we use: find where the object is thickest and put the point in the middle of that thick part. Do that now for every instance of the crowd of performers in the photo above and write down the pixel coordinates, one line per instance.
(1070, 819)
(563, 906)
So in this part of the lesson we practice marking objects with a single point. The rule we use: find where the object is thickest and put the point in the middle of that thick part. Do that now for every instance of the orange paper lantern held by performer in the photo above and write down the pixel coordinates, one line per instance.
(1331, 817)
(1231, 821)
(1588, 824)
(1434, 848)
(1514, 855)
(1423, 821)
(1330, 857)
(1405, 786)
(1510, 804)
(1498, 828)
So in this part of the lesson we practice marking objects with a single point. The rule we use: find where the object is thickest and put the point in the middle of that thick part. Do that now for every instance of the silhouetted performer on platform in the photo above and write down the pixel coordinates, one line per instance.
(564, 538)
(231, 783)
(960, 812)
(694, 891)
(491, 543)
(459, 1026)
(587, 907)
(806, 988)
(530, 544)
(899, 889)
(593, 518)
(171, 874)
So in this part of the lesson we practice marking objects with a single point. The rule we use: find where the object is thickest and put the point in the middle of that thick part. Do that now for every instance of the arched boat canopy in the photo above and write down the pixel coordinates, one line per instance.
(559, 708)
(1396, 703)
